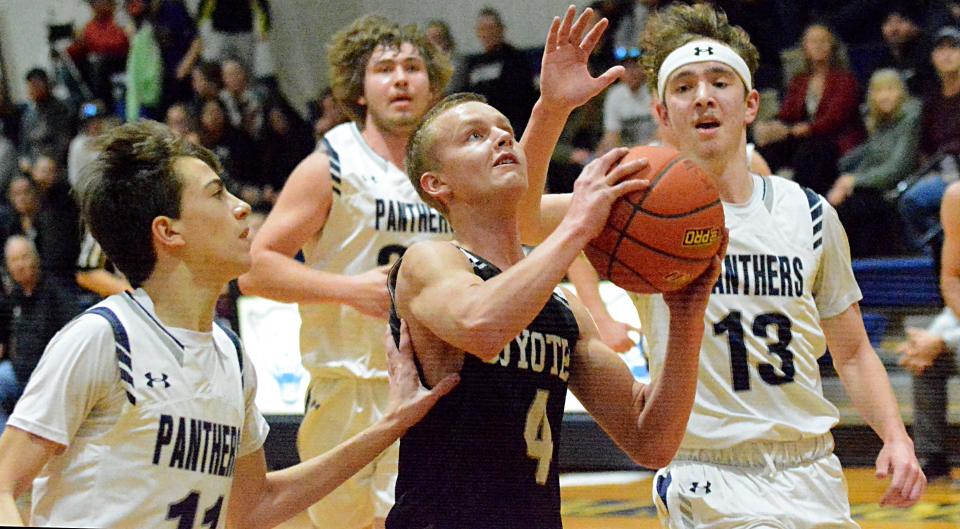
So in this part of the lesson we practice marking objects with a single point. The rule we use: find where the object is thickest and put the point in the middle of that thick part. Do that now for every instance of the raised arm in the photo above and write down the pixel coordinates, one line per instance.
(646, 421)
(437, 288)
(565, 84)
(261, 499)
(299, 215)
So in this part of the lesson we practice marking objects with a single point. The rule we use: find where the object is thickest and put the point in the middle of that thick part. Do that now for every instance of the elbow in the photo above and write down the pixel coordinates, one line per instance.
(655, 454)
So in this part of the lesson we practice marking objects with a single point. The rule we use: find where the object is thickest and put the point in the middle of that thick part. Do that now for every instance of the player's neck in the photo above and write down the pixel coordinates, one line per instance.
(390, 145)
(490, 233)
(180, 301)
(731, 176)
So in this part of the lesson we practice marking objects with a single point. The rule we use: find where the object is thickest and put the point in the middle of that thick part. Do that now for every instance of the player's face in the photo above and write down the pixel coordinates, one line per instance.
(477, 152)
(705, 111)
(396, 88)
(213, 223)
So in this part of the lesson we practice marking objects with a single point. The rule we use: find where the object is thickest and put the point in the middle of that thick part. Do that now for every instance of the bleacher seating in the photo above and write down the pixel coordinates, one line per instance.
(900, 283)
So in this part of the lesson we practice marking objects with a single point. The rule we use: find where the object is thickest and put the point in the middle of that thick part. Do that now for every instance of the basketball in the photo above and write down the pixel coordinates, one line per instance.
(660, 239)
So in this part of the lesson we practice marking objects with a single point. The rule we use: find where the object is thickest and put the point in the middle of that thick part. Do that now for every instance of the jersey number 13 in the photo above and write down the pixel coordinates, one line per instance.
(732, 326)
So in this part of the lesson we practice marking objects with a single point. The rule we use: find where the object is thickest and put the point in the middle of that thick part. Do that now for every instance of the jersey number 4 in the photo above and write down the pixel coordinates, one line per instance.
(732, 326)
(539, 436)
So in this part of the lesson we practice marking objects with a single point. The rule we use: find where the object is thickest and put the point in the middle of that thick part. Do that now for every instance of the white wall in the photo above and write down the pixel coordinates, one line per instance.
(301, 30)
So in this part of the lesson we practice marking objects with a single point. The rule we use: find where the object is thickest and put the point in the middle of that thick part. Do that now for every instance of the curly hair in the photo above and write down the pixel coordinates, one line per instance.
(349, 51)
(679, 24)
(419, 159)
(129, 184)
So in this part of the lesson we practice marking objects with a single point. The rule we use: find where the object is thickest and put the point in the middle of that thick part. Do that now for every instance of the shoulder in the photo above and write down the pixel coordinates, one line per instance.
(912, 108)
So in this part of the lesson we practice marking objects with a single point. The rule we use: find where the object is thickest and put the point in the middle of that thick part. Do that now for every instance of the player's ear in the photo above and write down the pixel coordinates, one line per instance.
(752, 106)
(166, 232)
(434, 185)
(661, 112)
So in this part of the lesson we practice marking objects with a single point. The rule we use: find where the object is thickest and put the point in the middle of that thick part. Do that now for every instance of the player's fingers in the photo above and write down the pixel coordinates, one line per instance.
(608, 160)
(406, 344)
(724, 242)
(593, 36)
(608, 77)
(630, 186)
(576, 32)
(552, 35)
(624, 170)
(882, 467)
(918, 489)
(445, 386)
(564, 34)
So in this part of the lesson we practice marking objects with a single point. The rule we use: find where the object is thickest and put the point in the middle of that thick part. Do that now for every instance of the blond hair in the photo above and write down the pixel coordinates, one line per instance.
(884, 78)
(349, 51)
(420, 157)
(679, 24)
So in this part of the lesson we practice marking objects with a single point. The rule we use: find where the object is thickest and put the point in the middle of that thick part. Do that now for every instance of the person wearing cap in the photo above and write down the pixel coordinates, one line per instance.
(919, 205)
(627, 114)
(757, 451)
(907, 49)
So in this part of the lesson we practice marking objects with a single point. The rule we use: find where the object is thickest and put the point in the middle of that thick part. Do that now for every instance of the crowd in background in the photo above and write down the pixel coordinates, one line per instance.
(861, 102)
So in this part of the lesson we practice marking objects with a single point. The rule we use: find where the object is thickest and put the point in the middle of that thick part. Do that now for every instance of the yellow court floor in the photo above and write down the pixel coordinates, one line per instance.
(622, 501)
(627, 505)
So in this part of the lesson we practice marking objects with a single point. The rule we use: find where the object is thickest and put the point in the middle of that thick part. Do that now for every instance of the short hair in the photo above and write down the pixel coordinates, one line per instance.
(128, 185)
(678, 24)
(445, 34)
(211, 71)
(350, 49)
(37, 74)
(488, 11)
(420, 157)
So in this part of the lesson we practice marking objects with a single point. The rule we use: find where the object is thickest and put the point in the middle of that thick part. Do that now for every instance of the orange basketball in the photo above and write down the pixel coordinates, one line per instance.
(660, 239)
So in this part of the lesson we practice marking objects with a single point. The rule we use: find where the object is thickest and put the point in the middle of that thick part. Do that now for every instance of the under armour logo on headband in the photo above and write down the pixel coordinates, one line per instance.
(702, 50)
(708, 50)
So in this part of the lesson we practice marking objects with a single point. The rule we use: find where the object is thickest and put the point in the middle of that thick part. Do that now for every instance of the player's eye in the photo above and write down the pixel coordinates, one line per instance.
(474, 135)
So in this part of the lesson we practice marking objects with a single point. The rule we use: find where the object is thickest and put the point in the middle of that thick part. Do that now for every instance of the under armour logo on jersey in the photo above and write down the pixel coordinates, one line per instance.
(698, 50)
(162, 379)
(696, 486)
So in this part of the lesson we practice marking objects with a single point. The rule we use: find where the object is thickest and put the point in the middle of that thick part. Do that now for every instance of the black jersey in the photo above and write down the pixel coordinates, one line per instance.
(485, 456)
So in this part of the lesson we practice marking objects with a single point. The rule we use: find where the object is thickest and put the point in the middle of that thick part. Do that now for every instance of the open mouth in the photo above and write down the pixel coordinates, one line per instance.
(504, 159)
(708, 124)
(401, 99)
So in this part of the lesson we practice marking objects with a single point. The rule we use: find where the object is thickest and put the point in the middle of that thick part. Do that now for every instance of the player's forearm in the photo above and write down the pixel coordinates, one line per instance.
(278, 277)
(291, 490)
(950, 288)
(669, 400)
(866, 382)
(587, 282)
(538, 141)
(494, 312)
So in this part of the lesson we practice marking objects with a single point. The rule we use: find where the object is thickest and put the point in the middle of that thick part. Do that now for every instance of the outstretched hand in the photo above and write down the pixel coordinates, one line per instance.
(409, 399)
(565, 80)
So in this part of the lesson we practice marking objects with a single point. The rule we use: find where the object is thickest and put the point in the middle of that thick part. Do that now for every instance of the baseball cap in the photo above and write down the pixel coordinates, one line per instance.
(947, 33)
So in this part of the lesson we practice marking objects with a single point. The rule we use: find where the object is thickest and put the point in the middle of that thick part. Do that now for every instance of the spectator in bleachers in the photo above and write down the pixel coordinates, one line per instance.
(244, 104)
(232, 28)
(234, 149)
(627, 108)
(46, 124)
(939, 144)
(181, 122)
(100, 51)
(40, 306)
(9, 117)
(285, 142)
(870, 170)
(502, 73)
(206, 81)
(180, 46)
(819, 118)
(144, 73)
(94, 121)
(58, 220)
(907, 50)
(931, 354)
(438, 32)
(19, 217)
(326, 114)
(8, 160)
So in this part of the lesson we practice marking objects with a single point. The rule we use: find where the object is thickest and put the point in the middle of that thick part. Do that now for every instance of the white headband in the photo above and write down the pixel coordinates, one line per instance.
(702, 51)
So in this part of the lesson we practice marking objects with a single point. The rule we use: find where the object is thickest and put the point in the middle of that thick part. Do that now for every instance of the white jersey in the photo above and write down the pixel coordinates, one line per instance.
(375, 216)
(787, 267)
(153, 419)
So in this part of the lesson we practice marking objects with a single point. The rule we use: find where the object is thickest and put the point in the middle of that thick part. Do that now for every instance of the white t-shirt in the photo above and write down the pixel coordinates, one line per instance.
(628, 113)
(153, 419)
(787, 268)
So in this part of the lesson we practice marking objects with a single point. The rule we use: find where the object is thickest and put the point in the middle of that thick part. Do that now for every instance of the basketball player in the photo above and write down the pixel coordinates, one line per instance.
(351, 209)
(758, 451)
(141, 412)
(478, 308)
